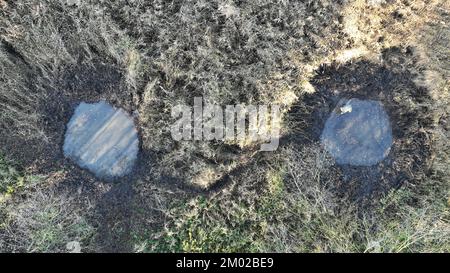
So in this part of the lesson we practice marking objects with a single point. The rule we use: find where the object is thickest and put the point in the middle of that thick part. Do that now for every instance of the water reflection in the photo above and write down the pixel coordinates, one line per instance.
(102, 139)
(360, 136)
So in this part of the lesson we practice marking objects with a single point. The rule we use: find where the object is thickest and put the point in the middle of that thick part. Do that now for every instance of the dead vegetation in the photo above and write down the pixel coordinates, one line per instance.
(46, 222)
(149, 56)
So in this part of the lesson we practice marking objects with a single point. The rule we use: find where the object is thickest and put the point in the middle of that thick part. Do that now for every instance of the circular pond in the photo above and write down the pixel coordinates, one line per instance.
(358, 133)
(102, 139)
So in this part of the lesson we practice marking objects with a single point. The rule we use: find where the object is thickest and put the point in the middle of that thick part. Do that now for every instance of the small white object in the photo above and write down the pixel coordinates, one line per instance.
(73, 247)
(346, 109)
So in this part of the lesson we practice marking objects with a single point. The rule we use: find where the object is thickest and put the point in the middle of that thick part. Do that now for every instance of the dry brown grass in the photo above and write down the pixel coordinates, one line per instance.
(147, 57)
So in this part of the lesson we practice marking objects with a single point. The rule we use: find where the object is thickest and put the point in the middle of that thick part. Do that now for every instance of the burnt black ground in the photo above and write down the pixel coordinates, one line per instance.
(387, 82)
